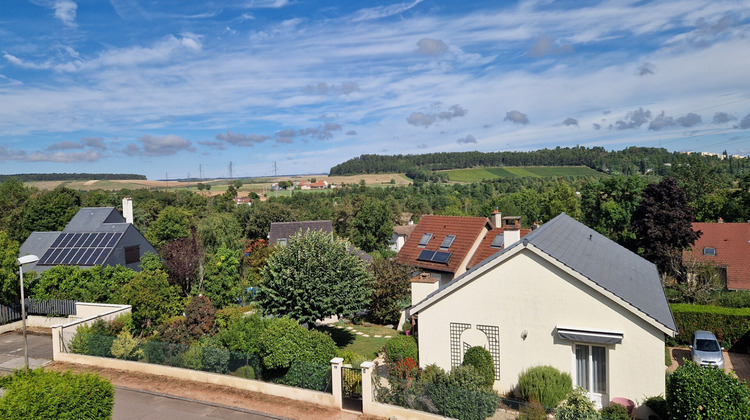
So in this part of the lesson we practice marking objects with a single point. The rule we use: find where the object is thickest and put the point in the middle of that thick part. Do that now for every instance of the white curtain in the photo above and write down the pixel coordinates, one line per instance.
(599, 367)
(582, 366)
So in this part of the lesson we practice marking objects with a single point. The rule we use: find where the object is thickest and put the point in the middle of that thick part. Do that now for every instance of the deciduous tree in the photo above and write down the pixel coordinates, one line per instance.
(662, 223)
(314, 277)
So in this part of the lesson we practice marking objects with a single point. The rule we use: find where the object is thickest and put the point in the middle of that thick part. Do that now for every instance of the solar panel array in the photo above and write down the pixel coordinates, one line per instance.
(434, 256)
(80, 248)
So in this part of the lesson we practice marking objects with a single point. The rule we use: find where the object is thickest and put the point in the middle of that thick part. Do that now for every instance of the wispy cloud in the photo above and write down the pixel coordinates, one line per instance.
(383, 11)
(158, 146)
(65, 11)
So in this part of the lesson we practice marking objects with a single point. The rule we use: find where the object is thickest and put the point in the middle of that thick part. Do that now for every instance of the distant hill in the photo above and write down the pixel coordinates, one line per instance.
(71, 177)
(630, 160)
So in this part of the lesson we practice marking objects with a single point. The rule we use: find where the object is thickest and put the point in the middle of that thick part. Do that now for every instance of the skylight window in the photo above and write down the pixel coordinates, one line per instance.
(498, 241)
(425, 239)
(709, 251)
(447, 242)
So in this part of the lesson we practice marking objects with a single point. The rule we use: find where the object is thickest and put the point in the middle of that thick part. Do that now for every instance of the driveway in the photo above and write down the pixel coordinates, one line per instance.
(11, 350)
(733, 362)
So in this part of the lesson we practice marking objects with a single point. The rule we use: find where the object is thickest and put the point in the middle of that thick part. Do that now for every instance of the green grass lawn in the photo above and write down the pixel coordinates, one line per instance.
(480, 174)
(367, 347)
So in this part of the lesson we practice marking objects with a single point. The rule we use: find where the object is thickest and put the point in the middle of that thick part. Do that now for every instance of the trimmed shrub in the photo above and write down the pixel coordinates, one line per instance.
(283, 341)
(730, 325)
(199, 316)
(125, 346)
(615, 412)
(532, 411)
(694, 392)
(738, 299)
(246, 372)
(481, 359)
(93, 340)
(243, 335)
(545, 384)
(307, 375)
(578, 406)
(38, 394)
(659, 405)
(401, 347)
(463, 395)
(215, 357)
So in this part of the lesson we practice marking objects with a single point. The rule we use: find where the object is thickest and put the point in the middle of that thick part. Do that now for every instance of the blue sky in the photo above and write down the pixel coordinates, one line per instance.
(163, 88)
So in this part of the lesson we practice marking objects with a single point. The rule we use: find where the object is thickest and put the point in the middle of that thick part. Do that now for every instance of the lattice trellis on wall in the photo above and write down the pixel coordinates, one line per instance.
(493, 338)
(457, 354)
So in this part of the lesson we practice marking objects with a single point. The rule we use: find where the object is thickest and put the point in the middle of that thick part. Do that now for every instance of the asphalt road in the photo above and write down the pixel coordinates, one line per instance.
(133, 404)
(129, 403)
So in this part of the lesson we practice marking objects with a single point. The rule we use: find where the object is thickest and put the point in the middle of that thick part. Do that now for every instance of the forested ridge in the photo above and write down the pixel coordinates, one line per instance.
(626, 161)
(70, 177)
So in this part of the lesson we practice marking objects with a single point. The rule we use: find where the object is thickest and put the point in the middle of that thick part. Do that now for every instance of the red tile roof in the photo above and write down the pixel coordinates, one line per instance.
(732, 244)
(486, 250)
(466, 229)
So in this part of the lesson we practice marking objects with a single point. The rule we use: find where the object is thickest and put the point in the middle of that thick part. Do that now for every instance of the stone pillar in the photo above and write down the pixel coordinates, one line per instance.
(56, 339)
(367, 395)
(336, 364)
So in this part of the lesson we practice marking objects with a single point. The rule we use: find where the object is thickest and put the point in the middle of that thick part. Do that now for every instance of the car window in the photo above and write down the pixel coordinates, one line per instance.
(707, 345)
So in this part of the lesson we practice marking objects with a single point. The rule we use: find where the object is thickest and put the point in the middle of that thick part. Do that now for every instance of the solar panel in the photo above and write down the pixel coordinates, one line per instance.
(441, 257)
(434, 256)
(85, 248)
(426, 255)
(498, 241)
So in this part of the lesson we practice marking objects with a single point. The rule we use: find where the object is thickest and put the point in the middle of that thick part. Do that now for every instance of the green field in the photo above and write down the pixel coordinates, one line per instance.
(480, 174)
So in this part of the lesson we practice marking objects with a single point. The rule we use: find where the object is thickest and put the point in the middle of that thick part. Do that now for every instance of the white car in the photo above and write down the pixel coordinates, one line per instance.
(706, 350)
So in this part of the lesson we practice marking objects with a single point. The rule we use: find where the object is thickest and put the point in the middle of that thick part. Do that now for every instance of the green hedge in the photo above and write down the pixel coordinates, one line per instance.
(400, 347)
(695, 393)
(39, 394)
(731, 326)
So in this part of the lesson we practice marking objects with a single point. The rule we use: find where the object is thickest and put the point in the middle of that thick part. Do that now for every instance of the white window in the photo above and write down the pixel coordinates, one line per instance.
(591, 369)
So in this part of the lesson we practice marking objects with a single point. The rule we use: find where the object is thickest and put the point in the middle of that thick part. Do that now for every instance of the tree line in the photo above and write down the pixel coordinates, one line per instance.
(70, 177)
(627, 161)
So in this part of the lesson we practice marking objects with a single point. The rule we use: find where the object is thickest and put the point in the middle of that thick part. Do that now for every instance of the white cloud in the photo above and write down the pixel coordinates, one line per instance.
(65, 10)
(383, 11)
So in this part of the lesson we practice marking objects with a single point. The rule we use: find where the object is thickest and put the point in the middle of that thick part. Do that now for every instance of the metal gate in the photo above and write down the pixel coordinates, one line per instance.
(351, 388)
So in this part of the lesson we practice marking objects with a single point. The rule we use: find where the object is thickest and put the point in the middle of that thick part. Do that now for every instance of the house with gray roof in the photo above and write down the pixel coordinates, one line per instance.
(280, 233)
(95, 236)
(564, 296)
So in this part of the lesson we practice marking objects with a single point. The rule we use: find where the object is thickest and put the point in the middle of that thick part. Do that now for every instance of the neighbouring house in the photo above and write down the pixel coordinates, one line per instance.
(444, 247)
(727, 247)
(243, 200)
(280, 233)
(94, 236)
(317, 185)
(400, 234)
(564, 296)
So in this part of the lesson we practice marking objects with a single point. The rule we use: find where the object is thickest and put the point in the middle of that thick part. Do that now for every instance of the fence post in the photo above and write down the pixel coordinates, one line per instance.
(56, 339)
(336, 364)
(367, 396)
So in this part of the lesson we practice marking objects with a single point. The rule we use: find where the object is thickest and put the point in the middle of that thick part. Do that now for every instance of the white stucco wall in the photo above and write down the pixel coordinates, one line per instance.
(528, 293)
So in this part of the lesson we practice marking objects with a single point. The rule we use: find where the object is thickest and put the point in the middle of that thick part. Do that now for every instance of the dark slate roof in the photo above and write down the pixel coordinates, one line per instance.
(732, 244)
(37, 244)
(601, 260)
(96, 219)
(289, 229)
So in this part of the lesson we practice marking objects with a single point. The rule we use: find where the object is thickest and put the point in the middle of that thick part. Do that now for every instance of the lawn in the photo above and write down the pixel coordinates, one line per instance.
(479, 174)
(367, 347)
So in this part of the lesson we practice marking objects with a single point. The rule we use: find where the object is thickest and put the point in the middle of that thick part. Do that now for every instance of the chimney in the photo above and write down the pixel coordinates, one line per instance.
(496, 218)
(127, 209)
(511, 230)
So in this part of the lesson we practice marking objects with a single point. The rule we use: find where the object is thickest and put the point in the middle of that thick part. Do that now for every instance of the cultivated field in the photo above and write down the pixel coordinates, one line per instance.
(218, 186)
(480, 174)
